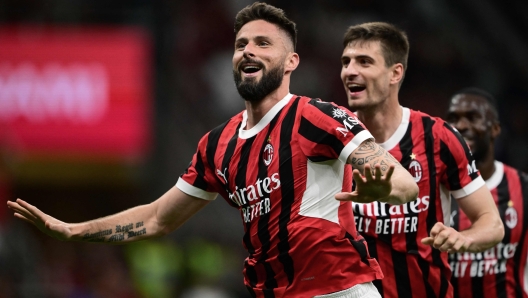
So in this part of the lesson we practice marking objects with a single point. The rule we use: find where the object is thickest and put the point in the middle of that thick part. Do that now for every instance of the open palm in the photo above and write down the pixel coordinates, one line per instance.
(373, 186)
(47, 224)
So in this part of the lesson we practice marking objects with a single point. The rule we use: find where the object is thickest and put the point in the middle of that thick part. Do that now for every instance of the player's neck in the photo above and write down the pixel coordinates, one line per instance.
(382, 120)
(486, 166)
(257, 110)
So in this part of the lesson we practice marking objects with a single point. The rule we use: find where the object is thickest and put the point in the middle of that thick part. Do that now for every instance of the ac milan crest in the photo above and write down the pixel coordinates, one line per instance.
(267, 155)
(510, 217)
(415, 168)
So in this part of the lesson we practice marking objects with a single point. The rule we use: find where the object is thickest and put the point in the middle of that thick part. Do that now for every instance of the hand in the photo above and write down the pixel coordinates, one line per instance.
(446, 239)
(47, 224)
(372, 187)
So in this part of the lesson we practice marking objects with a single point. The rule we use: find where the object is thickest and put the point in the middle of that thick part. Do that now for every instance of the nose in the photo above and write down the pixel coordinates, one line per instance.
(461, 124)
(349, 70)
(248, 51)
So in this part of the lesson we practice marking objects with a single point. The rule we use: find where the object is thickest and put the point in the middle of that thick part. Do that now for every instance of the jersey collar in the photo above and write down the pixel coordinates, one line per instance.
(246, 134)
(496, 177)
(400, 131)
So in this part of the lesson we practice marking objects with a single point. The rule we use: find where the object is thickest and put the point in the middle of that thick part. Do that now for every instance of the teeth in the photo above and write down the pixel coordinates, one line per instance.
(251, 67)
(353, 85)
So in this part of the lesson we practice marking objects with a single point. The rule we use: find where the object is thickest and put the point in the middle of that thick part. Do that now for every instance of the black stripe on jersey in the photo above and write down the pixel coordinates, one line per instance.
(373, 250)
(317, 135)
(200, 169)
(518, 255)
(424, 267)
(360, 245)
(428, 124)
(240, 179)
(464, 145)
(452, 171)
(336, 113)
(399, 260)
(212, 145)
(403, 279)
(406, 149)
(287, 191)
(270, 282)
(503, 194)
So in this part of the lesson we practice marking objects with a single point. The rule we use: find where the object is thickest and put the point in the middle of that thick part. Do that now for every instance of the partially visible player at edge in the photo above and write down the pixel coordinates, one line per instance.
(410, 241)
(282, 162)
(500, 271)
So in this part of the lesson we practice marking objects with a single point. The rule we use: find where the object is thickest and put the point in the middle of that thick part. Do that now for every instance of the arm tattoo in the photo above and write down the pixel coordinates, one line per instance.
(371, 153)
(122, 232)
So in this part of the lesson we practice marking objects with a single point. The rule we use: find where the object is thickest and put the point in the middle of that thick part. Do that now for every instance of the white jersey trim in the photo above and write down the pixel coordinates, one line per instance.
(469, 189)
(496, 177)
(353, 144)
(397, 136)
(246, 134)
(195, 191)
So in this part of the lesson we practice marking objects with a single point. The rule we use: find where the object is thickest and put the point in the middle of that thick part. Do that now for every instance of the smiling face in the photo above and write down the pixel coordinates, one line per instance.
(471, 115)
(366, 78)
(261, 51)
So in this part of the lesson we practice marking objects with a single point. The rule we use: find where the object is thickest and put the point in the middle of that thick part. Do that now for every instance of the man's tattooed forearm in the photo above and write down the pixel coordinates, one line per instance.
(366, 146)
(372, 156)
(358, 161)
(122, 232)
(391, 158)
(98, 236)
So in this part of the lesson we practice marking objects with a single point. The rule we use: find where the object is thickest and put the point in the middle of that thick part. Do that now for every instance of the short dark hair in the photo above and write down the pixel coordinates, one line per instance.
(490, 99)
(393, 41)
(268, 13)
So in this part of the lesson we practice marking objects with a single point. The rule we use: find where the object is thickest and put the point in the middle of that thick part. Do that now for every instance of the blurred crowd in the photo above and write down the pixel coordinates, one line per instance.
(454, 44)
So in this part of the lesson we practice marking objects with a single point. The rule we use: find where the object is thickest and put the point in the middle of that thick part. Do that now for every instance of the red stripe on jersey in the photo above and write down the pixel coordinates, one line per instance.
(300, 240)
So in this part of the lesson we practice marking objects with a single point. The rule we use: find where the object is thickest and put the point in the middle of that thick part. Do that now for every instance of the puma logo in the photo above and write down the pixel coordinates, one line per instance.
(222, 174)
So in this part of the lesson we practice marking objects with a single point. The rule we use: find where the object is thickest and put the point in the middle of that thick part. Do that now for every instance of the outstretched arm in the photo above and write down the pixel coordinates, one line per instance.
(486, 226)
(158, 218)
(379, 177)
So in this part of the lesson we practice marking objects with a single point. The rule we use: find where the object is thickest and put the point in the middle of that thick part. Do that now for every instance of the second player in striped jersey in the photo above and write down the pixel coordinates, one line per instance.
(410, 241)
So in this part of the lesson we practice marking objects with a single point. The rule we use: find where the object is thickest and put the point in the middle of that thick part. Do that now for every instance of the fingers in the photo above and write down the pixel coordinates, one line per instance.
(346, 196)
(356, 175)
(446, 239)
(427, 240)
(377, 172)
(368, 172)
(18, 209)
(22, 217)
(390, 171)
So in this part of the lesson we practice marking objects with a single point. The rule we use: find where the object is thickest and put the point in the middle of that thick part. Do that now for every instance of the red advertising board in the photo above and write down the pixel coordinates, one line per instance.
(75, 91)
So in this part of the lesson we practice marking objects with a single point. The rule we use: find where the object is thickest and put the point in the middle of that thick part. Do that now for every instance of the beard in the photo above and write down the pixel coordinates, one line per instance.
(254, 91)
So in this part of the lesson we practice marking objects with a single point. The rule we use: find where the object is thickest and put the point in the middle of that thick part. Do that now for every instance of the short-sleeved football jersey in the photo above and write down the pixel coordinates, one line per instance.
(282, 175)
(500, 271)
(441, 164)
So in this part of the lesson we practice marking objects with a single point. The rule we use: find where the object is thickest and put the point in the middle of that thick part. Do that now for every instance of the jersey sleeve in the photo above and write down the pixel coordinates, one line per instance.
(461, 176)
(329, 131)
(199, 180)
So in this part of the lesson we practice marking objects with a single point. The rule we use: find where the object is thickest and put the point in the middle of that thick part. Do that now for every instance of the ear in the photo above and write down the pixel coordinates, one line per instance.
(495, 129)
(397, 73)
(292, 61)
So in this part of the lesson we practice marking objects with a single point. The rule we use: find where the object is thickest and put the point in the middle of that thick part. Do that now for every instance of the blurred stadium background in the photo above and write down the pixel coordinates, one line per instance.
(102, 104)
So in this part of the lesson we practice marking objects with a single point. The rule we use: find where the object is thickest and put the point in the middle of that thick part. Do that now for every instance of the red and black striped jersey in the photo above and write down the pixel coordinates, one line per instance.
(441, 164)
(500, 271)
(282, 175)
